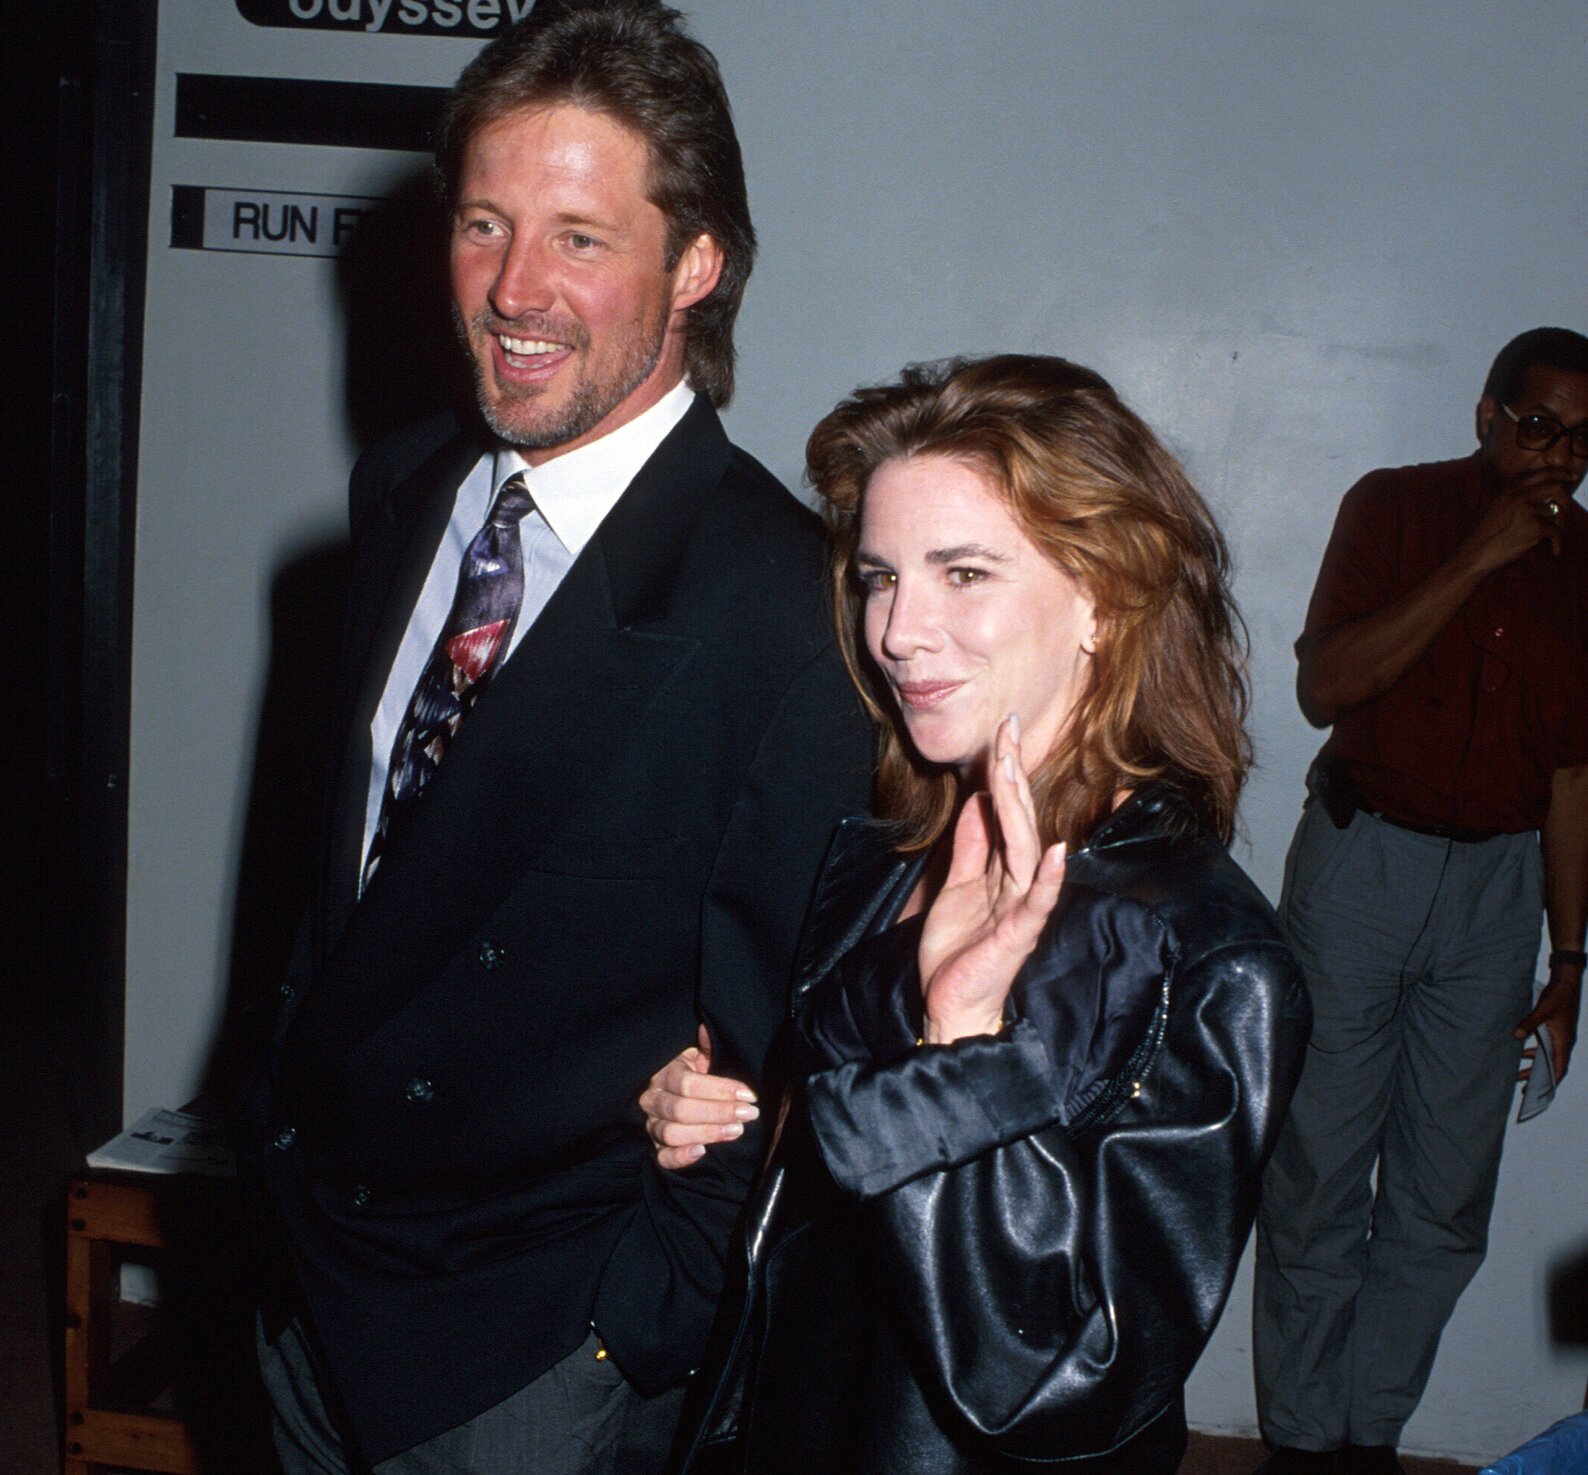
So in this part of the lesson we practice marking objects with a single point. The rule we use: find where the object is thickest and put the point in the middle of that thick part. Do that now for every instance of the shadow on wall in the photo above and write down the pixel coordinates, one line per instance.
(275, 869)
(403, 359)
(403, 363)
(1568, 1302)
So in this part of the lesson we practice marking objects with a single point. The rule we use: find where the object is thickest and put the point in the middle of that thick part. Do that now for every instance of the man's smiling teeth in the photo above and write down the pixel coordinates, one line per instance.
(528, 345)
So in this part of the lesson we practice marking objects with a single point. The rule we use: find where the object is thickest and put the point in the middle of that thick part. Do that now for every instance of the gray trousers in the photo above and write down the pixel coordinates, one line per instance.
(579, 1417)
(1419, 956)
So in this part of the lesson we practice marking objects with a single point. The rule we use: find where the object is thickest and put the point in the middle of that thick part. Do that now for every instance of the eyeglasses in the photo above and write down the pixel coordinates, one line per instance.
(1540, 432)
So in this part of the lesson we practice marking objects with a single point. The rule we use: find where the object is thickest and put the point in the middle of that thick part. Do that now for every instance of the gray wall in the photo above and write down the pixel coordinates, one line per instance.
(1292, 235)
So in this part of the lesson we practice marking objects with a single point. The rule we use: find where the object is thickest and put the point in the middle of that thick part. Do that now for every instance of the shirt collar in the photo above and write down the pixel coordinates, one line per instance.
(575, 491)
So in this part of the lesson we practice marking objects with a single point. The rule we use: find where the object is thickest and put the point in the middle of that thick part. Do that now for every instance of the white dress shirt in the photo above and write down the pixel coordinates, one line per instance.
(572, 493)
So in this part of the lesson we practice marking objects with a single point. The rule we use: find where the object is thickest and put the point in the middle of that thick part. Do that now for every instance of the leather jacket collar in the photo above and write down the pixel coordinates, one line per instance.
(865, 882)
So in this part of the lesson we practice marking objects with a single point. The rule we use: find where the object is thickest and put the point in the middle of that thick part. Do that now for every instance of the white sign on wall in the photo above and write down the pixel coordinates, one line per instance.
(204, 218)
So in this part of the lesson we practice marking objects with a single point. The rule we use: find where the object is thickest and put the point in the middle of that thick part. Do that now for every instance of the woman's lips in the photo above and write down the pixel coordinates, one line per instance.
(922, 696)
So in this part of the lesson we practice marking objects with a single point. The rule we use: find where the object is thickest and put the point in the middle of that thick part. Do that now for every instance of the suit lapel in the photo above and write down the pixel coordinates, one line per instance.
(644, 538)
(540, 743)
(395, 552)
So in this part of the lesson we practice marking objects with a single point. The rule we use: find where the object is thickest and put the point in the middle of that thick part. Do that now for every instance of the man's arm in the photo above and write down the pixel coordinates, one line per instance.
(813, 767)
(1364, 657)
(1565, 838)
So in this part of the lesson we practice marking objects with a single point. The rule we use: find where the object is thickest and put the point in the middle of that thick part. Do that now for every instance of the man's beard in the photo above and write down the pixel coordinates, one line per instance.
(590, 401)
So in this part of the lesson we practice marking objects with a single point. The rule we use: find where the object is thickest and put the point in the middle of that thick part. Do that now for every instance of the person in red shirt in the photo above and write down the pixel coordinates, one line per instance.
(1447, 647)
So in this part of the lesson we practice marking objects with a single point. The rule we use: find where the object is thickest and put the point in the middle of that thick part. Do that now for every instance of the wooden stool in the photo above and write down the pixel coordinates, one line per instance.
(102, 1432)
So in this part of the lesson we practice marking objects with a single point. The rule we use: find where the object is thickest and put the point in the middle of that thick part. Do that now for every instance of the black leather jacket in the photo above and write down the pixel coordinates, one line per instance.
(1009, 1251)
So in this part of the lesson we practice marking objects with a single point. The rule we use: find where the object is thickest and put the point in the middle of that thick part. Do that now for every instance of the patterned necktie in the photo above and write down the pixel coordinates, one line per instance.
(484, 611)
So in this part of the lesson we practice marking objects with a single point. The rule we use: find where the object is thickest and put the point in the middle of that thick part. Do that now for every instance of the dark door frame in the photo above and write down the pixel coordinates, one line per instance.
(104, 139)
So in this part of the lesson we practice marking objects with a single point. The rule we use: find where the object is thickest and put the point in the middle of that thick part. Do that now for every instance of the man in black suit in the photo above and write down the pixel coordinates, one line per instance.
(608, 834)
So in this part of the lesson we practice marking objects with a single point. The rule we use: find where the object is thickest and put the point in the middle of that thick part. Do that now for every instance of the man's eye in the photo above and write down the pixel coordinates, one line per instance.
(581, 242)
(487, 228)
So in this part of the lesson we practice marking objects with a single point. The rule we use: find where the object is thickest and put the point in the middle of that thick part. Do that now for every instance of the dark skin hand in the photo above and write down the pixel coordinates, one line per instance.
(1565, 840)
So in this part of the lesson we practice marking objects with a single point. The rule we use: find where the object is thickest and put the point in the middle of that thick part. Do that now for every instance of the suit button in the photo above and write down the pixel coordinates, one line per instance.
(360, 1196)
(284, 1138)
(287, 990)
(419, 1089)
(491, 955)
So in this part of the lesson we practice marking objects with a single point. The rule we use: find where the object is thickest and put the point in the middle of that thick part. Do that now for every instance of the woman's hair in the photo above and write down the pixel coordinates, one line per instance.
(1090, 485)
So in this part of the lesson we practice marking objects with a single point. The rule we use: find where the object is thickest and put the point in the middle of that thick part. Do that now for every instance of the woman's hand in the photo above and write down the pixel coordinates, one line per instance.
(999, 892)
(687, 1108)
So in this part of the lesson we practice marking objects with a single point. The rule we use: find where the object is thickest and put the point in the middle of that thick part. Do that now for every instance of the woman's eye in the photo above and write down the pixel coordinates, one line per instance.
(874, 579)
(964, 576)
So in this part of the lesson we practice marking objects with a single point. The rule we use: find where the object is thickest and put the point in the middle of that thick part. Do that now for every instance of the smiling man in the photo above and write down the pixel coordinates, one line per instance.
(566, 292)
(594, 735)
(1447, 645)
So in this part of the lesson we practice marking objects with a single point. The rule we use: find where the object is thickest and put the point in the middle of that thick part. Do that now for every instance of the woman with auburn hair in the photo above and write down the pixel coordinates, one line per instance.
(1045, 1029)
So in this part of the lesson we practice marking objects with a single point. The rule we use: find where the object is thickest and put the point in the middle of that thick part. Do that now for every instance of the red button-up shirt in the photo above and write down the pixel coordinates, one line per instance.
(1471, 734)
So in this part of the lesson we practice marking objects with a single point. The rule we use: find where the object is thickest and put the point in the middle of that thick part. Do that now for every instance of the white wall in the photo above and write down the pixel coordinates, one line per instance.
(1293, 235)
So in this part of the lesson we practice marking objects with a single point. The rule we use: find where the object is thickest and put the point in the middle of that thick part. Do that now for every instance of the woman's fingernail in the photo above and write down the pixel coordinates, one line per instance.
(696, 1152)
(1009, 767)
(747, 1113)
(1014, 726)
(732, 1130)
(744, 1093)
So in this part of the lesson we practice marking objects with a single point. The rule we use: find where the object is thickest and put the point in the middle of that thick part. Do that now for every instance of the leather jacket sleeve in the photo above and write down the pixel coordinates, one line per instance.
(1062, 1207)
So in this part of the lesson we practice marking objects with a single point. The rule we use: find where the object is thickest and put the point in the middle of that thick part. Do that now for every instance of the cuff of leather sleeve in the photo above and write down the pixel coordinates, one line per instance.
(881, 1126)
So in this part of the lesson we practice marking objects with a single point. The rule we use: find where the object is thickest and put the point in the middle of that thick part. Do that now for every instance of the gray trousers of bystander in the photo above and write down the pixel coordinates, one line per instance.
(1419, 954)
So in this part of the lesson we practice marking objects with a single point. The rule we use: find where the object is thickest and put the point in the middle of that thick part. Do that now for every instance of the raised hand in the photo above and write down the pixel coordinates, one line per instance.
(1000, 889)
(687, 1108)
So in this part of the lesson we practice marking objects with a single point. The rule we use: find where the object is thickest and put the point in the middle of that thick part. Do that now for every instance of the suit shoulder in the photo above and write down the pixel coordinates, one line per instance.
(763, 531)
(767, 502)
(395, 456)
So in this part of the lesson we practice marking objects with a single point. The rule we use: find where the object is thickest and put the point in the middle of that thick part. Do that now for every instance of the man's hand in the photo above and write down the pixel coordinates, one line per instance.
(1565, 845)
(1557, 1007)
(1511, 524)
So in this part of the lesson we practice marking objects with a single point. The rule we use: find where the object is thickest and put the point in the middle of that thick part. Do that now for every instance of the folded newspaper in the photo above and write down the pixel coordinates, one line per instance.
(163, 1141)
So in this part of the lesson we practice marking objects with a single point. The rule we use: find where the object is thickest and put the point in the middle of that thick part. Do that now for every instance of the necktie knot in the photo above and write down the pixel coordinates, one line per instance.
(511, 503)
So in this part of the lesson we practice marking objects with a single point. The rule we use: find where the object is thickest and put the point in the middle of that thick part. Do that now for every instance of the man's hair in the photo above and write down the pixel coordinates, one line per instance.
(1557, 348)
(631, 60)
(1091, 486)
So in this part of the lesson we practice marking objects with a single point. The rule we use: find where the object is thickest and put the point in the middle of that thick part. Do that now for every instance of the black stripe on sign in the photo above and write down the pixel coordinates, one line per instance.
(345, 115)
(187, 217)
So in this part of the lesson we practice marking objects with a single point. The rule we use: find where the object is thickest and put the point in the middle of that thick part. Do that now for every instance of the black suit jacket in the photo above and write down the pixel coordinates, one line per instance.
(621, 840)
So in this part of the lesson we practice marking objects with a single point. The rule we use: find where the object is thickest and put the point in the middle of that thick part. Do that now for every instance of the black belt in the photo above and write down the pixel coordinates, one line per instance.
(1332, 788)
(1439, 832)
